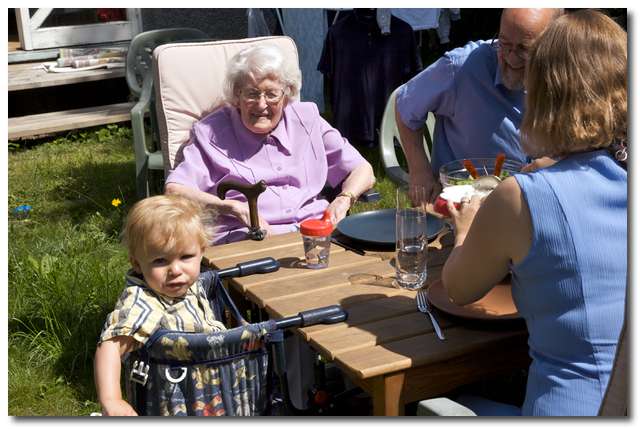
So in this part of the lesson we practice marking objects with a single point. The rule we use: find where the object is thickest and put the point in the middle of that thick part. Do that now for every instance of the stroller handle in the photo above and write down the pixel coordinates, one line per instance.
(257, 266)
(325, 315)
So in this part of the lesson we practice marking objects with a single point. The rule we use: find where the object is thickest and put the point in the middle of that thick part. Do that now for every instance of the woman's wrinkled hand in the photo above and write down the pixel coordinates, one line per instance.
(463, 217)
(117, 407)
(240, 210)
(338, 208)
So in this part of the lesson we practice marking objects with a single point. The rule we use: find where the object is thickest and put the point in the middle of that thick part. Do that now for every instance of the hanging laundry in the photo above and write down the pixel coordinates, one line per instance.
(256, 24)
(308, 27)
(364, 67)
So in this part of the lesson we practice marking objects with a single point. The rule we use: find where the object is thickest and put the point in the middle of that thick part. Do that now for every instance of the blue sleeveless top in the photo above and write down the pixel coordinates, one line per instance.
(570, 288)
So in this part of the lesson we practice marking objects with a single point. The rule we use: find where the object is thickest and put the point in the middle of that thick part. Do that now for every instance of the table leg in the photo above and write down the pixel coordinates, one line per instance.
(387, 395)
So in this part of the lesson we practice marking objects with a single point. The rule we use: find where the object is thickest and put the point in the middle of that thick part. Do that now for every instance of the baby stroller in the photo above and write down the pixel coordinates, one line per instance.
(238, 372)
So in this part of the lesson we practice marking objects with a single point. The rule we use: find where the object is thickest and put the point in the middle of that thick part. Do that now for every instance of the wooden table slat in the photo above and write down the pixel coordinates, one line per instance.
(366, 312)
(348, 269)
(247, 248)
(420, 350)
(344, 295)
(293, 274)
(338, 341)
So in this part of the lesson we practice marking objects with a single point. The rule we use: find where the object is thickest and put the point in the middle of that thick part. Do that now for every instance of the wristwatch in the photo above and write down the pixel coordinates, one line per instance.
(352, 198)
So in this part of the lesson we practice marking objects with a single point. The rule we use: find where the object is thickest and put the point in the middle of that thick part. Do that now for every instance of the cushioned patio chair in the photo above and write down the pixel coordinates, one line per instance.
(188, 85)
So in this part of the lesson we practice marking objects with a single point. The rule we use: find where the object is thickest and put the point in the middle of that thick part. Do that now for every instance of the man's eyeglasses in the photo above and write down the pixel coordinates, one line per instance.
(521, 51)
(271, 96)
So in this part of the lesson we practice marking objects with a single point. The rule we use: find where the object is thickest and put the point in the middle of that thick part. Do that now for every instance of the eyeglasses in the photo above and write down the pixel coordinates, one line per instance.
(271, 96)
(521, 51)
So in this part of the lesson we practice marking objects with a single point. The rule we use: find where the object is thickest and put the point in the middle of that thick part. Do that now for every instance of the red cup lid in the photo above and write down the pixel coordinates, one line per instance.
(317, 227)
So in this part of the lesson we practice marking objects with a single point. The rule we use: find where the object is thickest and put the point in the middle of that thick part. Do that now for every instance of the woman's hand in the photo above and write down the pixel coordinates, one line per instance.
(339, 208)
(117, 407)
(240, 210)
(463, 217)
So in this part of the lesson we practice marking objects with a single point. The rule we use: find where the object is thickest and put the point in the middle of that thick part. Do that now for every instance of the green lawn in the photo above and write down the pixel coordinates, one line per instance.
(66, 266)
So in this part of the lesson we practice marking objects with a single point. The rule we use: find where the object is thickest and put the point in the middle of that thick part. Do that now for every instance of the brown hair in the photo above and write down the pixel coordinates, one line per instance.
(165, 221)
(576, 85)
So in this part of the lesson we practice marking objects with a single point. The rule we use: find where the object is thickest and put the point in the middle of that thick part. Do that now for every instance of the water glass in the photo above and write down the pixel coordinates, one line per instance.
(411, 239)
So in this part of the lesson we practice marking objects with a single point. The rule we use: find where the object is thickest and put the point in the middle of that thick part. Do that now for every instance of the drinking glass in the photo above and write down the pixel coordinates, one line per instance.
(411, 239)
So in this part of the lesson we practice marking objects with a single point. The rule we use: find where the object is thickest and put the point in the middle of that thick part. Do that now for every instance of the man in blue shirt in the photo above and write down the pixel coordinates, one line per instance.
(476, 93)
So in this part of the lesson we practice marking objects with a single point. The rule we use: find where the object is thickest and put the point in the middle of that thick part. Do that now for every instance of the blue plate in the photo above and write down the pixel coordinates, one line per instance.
(379, 227)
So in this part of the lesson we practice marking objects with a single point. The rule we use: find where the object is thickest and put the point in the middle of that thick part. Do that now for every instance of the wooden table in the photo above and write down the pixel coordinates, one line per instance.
(385, 346)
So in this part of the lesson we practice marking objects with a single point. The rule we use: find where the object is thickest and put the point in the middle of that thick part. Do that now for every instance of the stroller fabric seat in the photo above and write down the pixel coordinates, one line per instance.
(237, 372)
(204, 374)
(222, 373)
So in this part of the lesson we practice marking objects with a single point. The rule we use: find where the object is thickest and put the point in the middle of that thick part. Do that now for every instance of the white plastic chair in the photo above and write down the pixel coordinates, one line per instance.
(390, 139)
(442, 407)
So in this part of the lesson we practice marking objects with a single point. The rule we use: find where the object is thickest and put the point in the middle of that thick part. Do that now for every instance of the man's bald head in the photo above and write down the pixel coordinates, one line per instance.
(532, 21)
(519, 28)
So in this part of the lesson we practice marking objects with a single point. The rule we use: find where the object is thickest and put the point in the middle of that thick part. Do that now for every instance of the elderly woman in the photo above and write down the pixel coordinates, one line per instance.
(263, 134)
(561, 230)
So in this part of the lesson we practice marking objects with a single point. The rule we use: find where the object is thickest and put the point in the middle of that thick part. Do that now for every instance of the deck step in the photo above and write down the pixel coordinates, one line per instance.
(33, 75)
(46, 123)
(18, 55)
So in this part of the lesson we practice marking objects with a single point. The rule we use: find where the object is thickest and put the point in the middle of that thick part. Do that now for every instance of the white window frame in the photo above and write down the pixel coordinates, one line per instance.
(33, 36)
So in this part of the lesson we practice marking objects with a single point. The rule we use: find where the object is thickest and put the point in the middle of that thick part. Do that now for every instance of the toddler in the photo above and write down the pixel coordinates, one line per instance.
(166, 236)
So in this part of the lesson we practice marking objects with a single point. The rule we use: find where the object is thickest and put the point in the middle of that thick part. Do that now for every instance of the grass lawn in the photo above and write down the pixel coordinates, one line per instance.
(66, 265)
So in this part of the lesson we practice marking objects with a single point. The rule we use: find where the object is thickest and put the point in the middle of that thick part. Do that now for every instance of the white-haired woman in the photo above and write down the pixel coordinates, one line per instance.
(263, 133)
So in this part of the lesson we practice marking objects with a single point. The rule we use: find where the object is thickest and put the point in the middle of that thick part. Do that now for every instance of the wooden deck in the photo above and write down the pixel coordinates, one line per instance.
(47, 123)
(32, 75)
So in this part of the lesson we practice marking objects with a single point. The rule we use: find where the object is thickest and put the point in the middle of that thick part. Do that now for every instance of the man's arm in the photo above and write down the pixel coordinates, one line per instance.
(420, 171)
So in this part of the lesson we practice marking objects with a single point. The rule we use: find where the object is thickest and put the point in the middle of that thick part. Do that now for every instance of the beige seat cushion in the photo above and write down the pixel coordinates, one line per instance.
(188, 79)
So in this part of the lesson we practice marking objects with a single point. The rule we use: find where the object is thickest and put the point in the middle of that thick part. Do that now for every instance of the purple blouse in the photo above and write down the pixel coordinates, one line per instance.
(296, 160)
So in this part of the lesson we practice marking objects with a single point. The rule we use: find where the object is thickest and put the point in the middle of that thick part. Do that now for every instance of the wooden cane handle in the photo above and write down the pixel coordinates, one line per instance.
(250, 191)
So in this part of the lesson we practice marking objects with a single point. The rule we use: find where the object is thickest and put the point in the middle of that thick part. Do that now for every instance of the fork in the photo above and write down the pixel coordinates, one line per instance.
(423, 306)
